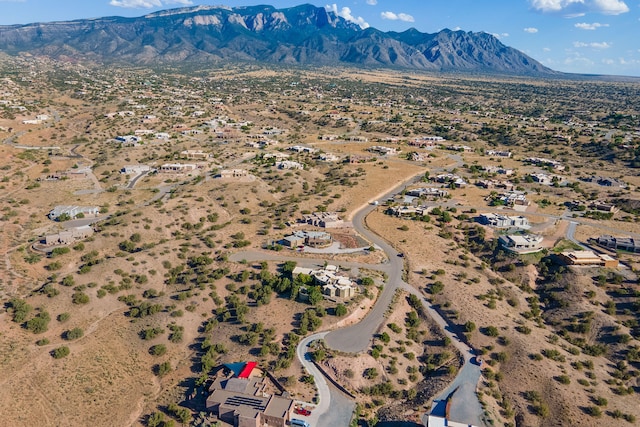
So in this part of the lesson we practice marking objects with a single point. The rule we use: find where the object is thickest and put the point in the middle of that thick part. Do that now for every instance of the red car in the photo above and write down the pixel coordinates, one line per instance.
(302, 411)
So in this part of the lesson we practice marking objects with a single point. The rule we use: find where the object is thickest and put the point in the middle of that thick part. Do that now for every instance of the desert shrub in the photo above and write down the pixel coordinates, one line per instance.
(491, 331)
(162, 369)
(60, 352)
(73, 334)
(19, 309)
(39, 323)
(80, 298)
(158, 350)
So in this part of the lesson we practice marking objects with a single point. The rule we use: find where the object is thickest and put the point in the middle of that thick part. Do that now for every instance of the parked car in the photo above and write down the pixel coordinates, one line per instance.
(302, 411)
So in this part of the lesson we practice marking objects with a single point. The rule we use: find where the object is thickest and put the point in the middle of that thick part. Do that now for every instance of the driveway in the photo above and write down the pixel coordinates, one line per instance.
(334, 408)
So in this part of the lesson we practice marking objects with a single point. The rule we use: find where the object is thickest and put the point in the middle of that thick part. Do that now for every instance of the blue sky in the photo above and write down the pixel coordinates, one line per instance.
(578, 36)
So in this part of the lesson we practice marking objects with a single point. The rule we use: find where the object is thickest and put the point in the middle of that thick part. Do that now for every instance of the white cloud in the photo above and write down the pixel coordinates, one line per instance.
(397, 16)
(531, 30)
(345, 13)
(574, 8)
(593, 45)
(593, 26)
(546, 49)
(372, 2)
(500, 36)
(147, 4)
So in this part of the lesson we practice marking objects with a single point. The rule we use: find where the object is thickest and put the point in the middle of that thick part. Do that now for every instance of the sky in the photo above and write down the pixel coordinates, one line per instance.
(575, 36)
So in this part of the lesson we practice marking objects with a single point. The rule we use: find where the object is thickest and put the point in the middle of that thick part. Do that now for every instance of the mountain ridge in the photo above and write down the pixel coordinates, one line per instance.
(304, 35)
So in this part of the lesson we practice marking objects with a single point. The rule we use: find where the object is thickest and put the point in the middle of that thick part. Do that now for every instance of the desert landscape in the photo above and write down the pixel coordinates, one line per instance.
(405, 232)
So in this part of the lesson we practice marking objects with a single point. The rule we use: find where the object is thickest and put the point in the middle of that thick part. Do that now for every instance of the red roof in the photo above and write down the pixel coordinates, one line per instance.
(248, 368)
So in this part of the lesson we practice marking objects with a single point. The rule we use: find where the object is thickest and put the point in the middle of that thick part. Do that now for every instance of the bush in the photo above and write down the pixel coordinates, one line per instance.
(40, 323)
(80, 298)
(60, 352)
(162, 369)
(594, 411)
(158, 350)
(491, 331)
(73, 334)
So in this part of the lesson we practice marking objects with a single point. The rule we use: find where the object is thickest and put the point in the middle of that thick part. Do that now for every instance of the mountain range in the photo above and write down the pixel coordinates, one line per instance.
(304, 35)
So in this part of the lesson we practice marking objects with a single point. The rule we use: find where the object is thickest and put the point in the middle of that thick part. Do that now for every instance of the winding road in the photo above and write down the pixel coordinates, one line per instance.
(357, 338)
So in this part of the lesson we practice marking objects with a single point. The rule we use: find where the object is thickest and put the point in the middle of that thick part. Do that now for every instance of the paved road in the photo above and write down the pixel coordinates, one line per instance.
(571, 234)
(334, 409)
(357, 338)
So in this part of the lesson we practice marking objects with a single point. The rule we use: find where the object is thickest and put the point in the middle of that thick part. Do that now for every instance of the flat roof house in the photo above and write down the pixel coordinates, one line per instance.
(620, 243)
(521, 244)
(69, 236)
(243, 402)
(503, 221)
(588, 258)
(177, 167)
(73, 211)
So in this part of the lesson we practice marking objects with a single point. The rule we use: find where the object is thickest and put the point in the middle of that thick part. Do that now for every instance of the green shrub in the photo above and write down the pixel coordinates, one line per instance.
(60, 352)
(73, 334)
(158, 350)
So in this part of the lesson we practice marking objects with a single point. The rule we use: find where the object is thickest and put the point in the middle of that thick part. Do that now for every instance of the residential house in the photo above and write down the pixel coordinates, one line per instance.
(314, 239)
(232, 173)
(514, 198)
(504, 221)
(588, 258)
(73, 211)
(428, 192)
(68, 236)
(244, 402)
(288, 164)
(328, 157)
(134, 169)
(323, 219)
(332, 283)
(301, 149)
(194, 155)
(498, 153)
(620, 243)
(383, 150)
(602, 206)
(541, 178)
(521, 244)
(128, 140)
(177, 167)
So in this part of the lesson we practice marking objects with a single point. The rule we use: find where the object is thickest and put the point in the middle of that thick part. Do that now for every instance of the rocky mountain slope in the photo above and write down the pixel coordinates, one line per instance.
(306, 35)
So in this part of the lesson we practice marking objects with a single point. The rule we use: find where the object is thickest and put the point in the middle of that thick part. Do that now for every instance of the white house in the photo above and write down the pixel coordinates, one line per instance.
(522, 244)
(73, 211)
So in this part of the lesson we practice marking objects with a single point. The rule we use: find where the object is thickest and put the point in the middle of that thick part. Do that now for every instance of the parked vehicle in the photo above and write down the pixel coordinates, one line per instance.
(299, 423)
(302, 411)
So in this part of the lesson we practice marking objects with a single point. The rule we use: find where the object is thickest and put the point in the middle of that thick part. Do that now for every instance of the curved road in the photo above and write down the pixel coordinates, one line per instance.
(333, 407)
(357, 338)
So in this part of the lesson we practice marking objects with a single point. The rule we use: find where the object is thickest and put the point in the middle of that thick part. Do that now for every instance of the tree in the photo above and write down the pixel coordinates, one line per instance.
(341, 310)
(315, 295)
(469, 326)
